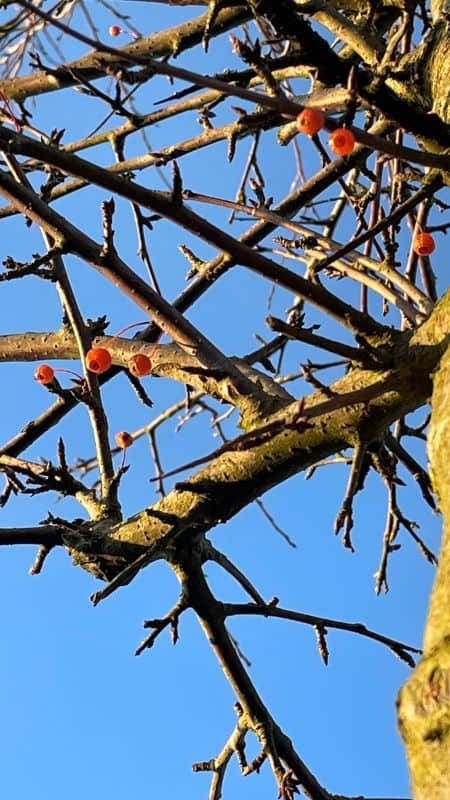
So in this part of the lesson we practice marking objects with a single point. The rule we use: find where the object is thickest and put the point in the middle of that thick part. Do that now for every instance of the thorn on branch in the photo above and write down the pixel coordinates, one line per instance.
(139, 389)
(419, 474)
(232, 141)
(177, 185)
(321, 634)
(196, 263)
(122, 470)
(240, 652)
(56, 136)
(258, 188)
(97, 327)
(55, 178)
(108, 208)
(214, 7)
(74, 525)
(403, 655)
(204, 118)
(6, 493)
(49, 477)
(204, 766)
(62, 455)
(18, 269)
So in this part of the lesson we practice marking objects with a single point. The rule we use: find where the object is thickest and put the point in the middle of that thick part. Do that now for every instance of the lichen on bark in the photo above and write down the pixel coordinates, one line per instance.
(424, 702)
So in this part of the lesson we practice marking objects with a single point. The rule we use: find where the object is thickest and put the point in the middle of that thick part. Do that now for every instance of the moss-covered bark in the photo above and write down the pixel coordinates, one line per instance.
(424, 703)
(437, 76)
(362, 404)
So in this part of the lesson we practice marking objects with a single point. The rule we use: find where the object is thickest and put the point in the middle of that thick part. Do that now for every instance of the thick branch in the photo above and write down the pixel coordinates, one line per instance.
(47, 535)
(168, 360)
(234, 479)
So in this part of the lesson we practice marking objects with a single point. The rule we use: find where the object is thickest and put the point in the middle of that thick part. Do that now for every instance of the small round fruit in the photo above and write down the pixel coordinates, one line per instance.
(139, 365)
(310, 120)
(424, 244)
(44, 374)
(98, 360)
(124, 439)
(342, 141)
(114, 30)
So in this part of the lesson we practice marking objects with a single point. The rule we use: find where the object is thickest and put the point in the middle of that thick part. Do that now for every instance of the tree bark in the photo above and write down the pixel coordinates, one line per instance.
(424, 701)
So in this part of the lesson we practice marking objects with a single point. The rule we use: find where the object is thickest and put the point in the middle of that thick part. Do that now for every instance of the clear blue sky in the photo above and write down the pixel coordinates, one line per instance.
(80, 716)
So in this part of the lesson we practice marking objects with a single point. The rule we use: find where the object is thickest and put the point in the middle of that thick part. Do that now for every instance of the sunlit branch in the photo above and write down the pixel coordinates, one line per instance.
(113, 268)
(167, 360)
(357, 259)
(364, 44)
(354, 271)
(278, 103)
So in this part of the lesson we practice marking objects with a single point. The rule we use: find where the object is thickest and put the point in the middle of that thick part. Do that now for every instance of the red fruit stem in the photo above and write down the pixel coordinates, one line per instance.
(69, 372)
(127, 328)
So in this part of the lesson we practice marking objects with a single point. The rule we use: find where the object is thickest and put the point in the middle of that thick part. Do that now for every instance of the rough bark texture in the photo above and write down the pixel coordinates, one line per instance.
(424, 703)
(232, 480)
(437, 74)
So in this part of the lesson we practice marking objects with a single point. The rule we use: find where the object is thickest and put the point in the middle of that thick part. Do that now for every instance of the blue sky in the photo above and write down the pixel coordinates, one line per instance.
(79, 714)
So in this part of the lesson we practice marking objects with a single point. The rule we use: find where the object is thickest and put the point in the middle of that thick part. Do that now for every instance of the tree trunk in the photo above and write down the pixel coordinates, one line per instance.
(424, 701)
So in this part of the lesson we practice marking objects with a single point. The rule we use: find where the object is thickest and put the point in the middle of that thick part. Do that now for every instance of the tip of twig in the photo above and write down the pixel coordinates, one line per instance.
(95, 598)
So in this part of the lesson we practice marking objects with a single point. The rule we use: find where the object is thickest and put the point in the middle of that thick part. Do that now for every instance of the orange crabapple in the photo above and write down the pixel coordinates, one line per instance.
(98, 360)
(310, 121)
(423, 244)
(124, 439)
(342, 141)
(44, 374)
(140, 365)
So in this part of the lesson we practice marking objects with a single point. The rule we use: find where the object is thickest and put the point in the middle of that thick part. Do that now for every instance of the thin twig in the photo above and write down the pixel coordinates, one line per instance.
(400, 649)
